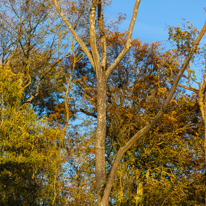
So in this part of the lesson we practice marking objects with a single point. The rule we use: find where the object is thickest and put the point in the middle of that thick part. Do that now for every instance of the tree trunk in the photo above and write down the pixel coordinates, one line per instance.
(100, 166)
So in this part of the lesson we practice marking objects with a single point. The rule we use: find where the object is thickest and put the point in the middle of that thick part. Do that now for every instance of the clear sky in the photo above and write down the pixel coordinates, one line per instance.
(154, 15)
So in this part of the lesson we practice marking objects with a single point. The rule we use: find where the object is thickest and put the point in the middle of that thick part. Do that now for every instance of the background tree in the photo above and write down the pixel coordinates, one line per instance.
(32, 153)
(32, 43)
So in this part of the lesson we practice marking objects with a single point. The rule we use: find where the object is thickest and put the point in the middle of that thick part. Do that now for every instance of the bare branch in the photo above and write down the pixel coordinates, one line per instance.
(93, 41)
(188, 88)
(76, 37)
(102, 35)
(92, 114)
(128, 42)
(68, 85)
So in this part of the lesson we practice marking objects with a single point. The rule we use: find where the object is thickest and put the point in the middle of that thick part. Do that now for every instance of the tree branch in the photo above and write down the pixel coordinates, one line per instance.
(67, 91)
(92, 114)
(76, 37)
(201, 101)
(188, 88)
(137, 136)
(93, 41)
(102, 35)
(128, 41)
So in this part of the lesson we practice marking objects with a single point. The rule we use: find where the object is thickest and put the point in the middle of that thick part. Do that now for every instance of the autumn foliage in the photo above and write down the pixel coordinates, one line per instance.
(68, 101)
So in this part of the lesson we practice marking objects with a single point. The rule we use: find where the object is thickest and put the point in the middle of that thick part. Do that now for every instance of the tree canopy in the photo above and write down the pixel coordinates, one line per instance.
(91, 116)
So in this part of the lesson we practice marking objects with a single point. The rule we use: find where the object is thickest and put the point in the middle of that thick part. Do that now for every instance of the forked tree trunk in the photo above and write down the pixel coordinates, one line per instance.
(103, 186)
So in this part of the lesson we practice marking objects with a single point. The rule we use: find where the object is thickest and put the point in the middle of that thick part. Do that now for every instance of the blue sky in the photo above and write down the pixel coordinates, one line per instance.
(154, 15)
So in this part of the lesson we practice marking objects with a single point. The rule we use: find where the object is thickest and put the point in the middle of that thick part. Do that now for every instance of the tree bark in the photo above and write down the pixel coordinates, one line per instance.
(100, 163)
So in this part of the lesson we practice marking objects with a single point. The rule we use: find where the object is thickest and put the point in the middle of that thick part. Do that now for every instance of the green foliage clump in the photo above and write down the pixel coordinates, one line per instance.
(31, 153)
